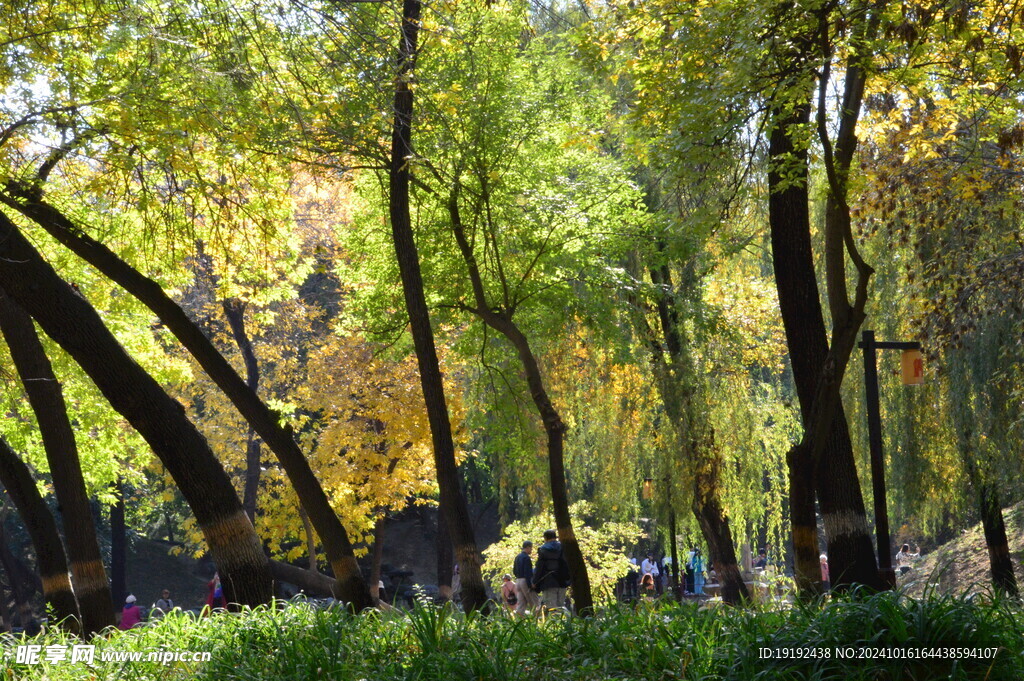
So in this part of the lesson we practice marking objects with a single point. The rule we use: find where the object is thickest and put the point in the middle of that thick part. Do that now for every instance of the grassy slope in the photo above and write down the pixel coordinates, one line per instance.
(962, 565)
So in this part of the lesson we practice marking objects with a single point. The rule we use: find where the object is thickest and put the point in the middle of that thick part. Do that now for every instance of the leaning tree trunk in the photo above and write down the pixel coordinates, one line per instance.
(555, 429)
(453, 501)
(67, 317)
(51, 560)
(47, 400)
(234, 310)
(985, 489)
(279, 438)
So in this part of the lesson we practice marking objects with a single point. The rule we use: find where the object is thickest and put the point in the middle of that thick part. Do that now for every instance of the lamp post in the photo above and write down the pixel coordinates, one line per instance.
(647, 492)
(913, 374)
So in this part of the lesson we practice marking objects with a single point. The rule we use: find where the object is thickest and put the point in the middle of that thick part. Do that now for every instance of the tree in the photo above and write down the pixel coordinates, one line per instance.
(823, 460)
(453, 502)
(47, 400)
(73, 323)
(50, 556)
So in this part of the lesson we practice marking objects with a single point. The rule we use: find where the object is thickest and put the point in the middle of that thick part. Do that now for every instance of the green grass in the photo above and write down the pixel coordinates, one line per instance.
(294, 641)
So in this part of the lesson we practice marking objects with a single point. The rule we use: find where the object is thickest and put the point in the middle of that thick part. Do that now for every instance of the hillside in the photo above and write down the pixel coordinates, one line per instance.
(961, 565)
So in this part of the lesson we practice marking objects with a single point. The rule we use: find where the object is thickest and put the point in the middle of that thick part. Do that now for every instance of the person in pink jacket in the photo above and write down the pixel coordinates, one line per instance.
(131, 616)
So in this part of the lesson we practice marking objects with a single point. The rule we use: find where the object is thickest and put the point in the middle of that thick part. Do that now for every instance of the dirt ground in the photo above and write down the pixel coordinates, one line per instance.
(962, 566)
(409, 544)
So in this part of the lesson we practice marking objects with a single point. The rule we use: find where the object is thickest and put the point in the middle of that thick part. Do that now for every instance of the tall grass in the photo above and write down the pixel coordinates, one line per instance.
(293, 641)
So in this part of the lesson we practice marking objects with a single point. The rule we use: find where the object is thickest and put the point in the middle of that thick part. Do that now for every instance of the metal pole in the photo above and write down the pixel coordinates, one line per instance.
(877, 458)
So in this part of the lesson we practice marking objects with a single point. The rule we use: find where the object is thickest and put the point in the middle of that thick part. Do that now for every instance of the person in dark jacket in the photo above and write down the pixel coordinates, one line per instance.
(551, 573)
(522, 570)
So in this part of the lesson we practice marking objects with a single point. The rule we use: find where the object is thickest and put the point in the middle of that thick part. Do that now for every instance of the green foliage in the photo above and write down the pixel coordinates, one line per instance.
(604, 547)
(651, 642)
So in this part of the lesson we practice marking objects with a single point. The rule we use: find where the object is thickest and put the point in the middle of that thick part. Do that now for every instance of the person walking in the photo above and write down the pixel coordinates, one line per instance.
(551, 573)
(131, 615)
(826, 583)
(522, 570)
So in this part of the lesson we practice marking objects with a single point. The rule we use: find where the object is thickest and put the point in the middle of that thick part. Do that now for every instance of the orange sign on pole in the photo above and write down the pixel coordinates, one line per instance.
(913, 367)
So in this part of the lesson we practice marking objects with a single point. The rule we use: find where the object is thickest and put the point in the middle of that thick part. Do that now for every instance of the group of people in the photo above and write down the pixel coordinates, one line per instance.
(903, 564)
(543, 583)
(649, 578)
(131, 613)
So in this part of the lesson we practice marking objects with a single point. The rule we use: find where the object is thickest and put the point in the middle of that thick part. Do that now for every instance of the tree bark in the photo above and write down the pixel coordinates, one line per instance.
(850, 556)
(1003, 578)
(445, 558)
(234, 310)
(67, 317)
(987, 497)
(453, 501)
(47, 400)
(51, 560)
(118, 548)
(22, 595)
(307, 527)
(376, 556)
(307, 580)
(279, 438)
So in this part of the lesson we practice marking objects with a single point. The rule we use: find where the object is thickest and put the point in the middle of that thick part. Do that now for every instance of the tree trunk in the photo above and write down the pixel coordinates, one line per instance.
(715, 528)
(307, 580)
(376, 556)
(22, 595)
(51, 560)
(67, 317)
(234, 310)
(118, 548)
(453, 501)
(989, 506)
(307, 527)
(850, 553)
(1003, 578)
(47, 400)
(554, 428)
(279, 438)
(445, 558)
